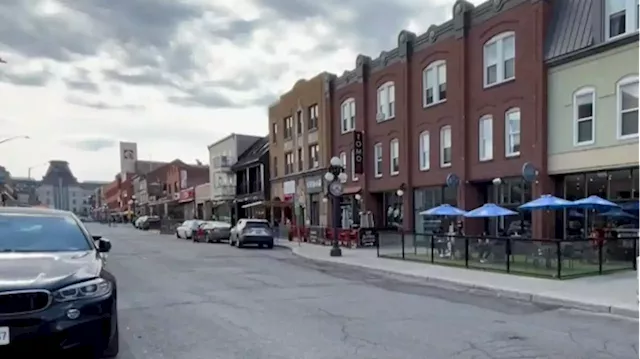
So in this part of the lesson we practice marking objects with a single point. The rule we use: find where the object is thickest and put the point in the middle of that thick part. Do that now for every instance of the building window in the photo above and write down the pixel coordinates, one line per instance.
(313, 117)
(583, 114)
(434, 83)
(354, 175)
(274, 132)
(288, 163)
(343, 159)
(627, 91)
(499, 59)
(275, 167)
(377, 160)
(445, 146)
(300, 160)
(386, 102)
(314, 161)
(288, 128)
(299, 122)
(485, 138)
(621, 17)
(512, 132)
(348, 115)
(425, 162)
(394, 157)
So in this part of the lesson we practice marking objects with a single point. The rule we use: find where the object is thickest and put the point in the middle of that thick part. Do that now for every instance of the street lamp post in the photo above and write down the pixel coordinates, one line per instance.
(400, 215)
(496, 184)
(335, 176)
(5, 140)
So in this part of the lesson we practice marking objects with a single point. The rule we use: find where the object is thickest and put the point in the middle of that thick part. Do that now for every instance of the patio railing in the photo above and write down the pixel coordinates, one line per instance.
(525, 256)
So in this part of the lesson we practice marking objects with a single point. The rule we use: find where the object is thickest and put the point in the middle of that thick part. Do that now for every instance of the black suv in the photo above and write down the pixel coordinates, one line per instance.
(55, 292)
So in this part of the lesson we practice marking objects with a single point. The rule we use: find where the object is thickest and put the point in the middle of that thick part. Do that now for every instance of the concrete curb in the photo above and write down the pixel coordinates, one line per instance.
(509, 294)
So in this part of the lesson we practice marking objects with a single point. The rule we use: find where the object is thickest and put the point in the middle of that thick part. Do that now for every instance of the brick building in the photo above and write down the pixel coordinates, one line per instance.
(300, 148)
(442, 113)
(171, 188)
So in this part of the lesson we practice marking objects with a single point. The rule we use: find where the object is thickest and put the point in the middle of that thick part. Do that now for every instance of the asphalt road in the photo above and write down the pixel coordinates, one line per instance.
(184, 300)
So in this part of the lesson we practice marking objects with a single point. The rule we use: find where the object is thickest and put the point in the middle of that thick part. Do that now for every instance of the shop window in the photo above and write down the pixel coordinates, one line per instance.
(634, 183)
(620, 185)
(597, 184)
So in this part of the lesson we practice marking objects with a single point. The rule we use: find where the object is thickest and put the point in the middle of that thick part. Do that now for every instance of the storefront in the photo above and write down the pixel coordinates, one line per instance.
(509, 193)
(619, 186)
(186, 202)
(428, 197)
(314, 199)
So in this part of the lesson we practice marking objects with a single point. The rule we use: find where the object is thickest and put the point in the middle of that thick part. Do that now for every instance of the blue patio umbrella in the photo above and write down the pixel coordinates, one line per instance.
(618, 213)
(445, 210)
(593, 202)
(489, 210)
(547, 202)
(630, 206)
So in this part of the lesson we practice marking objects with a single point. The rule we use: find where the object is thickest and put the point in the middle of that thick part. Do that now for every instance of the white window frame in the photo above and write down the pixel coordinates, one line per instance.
(581, 92)
(354, 175)
(508, 142)
(394, 153)
(498, 40)
(377, 160)
(345, 164)
(623, 82)
(424, 154)
(435, 67)
(631, 19)
(483, 138)
(443, 131)
(348, 115)
(386, 101)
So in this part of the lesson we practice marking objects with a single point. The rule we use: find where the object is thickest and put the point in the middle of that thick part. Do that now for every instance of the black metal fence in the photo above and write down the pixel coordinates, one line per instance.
(526, 256)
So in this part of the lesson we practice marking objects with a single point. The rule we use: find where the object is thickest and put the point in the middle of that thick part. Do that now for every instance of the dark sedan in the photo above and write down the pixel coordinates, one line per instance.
(55, 291)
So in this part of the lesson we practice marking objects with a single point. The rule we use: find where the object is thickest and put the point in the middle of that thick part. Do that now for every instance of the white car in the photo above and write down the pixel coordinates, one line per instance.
(139, 221)
(188, 228)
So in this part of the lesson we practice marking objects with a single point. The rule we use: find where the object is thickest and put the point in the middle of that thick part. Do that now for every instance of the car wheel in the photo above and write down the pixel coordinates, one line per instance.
(177, 235)
(113, 347)
(270, 245)
(239, 244)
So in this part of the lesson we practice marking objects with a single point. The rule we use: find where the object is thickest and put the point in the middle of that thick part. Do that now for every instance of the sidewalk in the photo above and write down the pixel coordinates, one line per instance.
(614, 293)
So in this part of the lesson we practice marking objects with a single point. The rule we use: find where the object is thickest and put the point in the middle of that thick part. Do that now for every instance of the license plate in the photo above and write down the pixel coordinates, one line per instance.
(4, 335)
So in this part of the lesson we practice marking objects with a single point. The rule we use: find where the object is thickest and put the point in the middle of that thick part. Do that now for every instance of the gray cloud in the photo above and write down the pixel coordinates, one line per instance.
(100, 105)
(91, 144)
(143, 36)
(36, 78)
(82, 82)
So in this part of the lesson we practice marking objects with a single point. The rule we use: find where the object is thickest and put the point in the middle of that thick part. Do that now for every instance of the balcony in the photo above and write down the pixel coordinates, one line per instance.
(224, 191)
(222, 162)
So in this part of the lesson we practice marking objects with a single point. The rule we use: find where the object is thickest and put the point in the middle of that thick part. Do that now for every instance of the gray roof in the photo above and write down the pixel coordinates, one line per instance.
(570, 28)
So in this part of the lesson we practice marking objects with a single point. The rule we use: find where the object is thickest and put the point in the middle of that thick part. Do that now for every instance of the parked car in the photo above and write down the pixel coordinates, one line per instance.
(188, 228)
(216, 231)
(138, 222)
(252, 231)
(56, 293)
(148, 222)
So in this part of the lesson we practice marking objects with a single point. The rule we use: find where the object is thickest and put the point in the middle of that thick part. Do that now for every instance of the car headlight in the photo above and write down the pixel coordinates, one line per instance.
(89, 289)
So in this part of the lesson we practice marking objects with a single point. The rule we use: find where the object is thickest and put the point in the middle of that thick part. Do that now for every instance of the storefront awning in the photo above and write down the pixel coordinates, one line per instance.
(253, 204)
(351, 189)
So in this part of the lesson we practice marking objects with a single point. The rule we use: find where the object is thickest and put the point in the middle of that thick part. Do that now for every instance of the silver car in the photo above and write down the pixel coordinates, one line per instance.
(216, 231)
(252, 231)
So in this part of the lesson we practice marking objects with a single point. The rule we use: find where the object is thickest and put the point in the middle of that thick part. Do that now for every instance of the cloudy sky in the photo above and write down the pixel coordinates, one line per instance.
(171, 75)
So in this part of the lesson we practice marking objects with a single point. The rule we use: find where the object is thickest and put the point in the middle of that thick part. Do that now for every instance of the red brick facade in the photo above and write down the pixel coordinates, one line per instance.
(460, 43)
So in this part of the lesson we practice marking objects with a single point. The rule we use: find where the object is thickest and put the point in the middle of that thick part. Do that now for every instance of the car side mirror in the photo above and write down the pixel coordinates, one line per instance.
(104, 245)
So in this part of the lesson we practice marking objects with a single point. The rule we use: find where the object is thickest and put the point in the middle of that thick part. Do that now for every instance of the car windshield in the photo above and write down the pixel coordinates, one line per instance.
(41, 233)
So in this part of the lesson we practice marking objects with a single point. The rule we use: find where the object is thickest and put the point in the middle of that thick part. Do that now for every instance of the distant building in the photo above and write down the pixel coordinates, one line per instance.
(60, 189)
